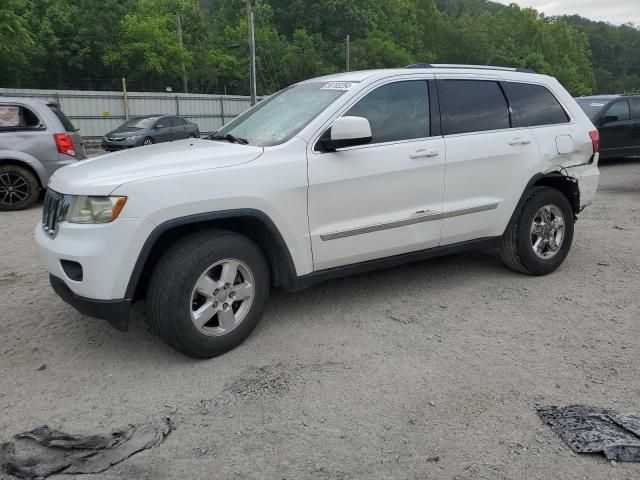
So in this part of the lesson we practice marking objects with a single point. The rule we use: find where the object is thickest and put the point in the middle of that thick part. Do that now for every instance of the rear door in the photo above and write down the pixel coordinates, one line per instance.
(488, 161)
(384, 198)
(616, 129)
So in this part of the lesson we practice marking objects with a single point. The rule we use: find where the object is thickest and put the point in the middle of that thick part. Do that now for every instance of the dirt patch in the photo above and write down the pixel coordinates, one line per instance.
(430, 370)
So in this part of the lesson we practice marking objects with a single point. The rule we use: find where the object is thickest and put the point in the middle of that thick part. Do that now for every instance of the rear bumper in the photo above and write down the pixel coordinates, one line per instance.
(116, 312)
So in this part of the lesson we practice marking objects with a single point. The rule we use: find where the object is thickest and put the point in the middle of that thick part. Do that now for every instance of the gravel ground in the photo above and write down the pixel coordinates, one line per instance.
(431, 370)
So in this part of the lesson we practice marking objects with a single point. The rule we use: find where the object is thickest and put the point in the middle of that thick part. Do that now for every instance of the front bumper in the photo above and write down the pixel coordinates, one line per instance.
(106, 254)
(116, 312)
(113, 145)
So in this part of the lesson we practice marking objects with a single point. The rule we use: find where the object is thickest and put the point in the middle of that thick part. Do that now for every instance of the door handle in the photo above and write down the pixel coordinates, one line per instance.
(519, 141)
(424, 154)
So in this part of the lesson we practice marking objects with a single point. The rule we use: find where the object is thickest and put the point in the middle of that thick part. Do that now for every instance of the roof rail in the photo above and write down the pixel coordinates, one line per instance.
(470, 67)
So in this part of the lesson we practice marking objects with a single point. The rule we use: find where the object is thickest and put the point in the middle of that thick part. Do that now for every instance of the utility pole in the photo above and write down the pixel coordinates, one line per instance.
(184, 69)
(125, 99)
(252, 52)
(348, 53)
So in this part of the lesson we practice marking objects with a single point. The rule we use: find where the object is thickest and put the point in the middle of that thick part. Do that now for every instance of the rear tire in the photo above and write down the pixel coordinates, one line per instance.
(208, 292)
(19, 188)
(538, 240)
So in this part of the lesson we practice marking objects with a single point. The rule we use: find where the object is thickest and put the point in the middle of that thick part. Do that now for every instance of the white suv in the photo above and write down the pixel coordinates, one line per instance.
(329, 177)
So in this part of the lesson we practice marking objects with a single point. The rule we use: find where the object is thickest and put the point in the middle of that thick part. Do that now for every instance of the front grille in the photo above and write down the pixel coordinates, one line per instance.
(52, 211)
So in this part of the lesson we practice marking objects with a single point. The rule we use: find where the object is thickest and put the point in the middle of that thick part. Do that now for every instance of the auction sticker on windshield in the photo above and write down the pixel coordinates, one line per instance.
(338, 86)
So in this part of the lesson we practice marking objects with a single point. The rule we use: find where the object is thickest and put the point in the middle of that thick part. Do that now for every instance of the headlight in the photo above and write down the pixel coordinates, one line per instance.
(134, 137)
(83, 209)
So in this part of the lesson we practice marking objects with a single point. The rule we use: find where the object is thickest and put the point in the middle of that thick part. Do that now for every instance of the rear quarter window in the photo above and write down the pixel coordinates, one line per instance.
(66, 123)
(534, 105)
(472, 106)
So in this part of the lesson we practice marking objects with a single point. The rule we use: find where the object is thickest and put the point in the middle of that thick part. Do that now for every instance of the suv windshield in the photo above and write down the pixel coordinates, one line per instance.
(145, 122)
(278, 118)
(591, 106)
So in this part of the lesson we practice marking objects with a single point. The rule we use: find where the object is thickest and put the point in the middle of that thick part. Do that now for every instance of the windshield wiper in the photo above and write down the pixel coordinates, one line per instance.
(229, 138)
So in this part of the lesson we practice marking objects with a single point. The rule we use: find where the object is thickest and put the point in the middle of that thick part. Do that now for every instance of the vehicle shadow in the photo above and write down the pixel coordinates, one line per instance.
(618, 161)
(392, 285)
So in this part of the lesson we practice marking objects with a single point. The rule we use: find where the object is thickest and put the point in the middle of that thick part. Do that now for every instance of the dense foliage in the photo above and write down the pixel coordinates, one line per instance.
(91, 44)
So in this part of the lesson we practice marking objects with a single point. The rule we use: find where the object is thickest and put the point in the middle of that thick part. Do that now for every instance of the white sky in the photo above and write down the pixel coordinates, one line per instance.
(614, 11)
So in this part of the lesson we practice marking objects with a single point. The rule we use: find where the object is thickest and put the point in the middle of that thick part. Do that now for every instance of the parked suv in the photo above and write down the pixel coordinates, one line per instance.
(148, 130)
(36, 139)
(329, 177)
(618, 120)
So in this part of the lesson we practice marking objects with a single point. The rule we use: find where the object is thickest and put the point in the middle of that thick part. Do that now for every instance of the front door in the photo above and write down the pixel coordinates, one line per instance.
(635, 123)
(616, 129)
(163, 129)
(384, 198)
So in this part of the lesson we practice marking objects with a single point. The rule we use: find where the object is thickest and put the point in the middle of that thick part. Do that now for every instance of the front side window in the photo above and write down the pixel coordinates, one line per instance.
(472, 106)
(617, 112)
(14, 117)
(164, 122)
(396, 111)
(534, 105)
(281, 116)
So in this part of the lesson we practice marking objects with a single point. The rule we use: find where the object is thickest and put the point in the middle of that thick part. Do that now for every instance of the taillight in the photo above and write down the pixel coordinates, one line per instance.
(595, 140)
(64, 144)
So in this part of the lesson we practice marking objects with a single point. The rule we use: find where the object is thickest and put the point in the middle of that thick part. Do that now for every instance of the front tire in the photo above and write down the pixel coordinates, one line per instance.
(19, 188)
(147, 141)
(538, 240)
(208, 292)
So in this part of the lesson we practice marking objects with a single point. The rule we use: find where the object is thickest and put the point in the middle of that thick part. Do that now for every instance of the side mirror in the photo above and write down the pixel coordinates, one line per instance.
(609, 118)
(346, 132)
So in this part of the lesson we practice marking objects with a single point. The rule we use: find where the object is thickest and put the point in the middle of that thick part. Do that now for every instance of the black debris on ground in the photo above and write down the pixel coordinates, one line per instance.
(591, 430)
(42, 452)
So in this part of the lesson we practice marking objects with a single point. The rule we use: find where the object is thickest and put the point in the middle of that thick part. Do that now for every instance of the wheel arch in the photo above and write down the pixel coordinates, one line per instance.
(253, 224)
(33, 167)
(566, 184)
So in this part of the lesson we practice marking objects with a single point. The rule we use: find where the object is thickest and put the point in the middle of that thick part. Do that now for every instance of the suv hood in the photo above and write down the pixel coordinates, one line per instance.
(102, 175)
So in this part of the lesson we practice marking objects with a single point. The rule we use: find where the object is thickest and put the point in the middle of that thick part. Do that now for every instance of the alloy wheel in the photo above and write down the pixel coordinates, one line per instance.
(547, 231)
(13, 188)
(222, 297)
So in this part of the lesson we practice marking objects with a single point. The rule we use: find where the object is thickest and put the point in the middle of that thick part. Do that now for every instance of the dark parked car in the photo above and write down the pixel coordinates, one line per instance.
(617, 117)
(148, 130)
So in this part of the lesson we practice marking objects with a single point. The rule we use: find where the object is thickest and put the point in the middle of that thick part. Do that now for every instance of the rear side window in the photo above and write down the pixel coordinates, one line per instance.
(617, 112)
(17, 117)
(472, 106)
(533, 105)
(396, 111)
(178, 122)
(66, 123)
